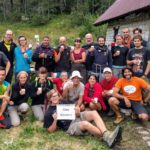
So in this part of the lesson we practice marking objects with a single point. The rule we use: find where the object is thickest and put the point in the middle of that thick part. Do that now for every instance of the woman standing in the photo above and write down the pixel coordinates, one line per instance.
(78, 57)
(93, 94)
(23, 56)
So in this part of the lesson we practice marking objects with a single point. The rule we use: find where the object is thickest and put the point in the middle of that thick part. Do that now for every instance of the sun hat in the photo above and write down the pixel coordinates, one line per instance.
(75, 74)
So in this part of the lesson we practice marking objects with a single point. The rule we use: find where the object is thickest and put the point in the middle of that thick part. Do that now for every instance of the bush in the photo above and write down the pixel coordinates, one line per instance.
(39, 20)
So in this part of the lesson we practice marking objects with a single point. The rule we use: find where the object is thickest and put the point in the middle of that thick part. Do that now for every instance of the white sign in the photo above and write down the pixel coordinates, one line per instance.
(65, 112)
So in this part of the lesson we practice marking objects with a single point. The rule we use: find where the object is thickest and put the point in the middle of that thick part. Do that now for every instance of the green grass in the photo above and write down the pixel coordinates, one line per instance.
(30, 135)
(55, 28)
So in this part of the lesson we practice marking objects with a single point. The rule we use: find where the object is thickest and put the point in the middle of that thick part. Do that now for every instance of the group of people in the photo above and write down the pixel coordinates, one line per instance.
(92, 77)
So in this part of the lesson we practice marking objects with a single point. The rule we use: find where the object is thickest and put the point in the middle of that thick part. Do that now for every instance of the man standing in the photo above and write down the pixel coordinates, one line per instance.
(126, 37)
(119, 54)
(89, 46)
(101, 57)
(138, 31)
(127, 94)
(62, 57)
(139, 58)
(7, 46)
(43, 56)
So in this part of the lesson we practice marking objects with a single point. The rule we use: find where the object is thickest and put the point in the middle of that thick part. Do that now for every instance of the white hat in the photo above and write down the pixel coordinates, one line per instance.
(75, 74)
(107, 69)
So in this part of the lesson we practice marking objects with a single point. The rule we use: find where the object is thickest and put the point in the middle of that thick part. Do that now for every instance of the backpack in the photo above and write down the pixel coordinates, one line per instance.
(5, 122)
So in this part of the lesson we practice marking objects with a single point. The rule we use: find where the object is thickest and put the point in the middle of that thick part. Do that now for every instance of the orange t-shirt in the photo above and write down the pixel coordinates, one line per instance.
(132, 89)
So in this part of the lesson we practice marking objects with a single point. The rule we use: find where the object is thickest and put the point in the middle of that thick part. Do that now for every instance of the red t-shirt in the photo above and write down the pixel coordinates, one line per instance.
(78, 56)
(108, 85)
(59, 84)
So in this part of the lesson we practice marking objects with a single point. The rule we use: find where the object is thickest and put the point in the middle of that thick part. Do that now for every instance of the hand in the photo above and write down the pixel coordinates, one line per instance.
(127, 102)
(91, 49)
(61, 49)
(39, 91)
(11, 102)
(70, 85)
(50, 78)
(117, 53)
(95, 100)
(5, 97)
(22, 92)
(42, 55)
(77, 110)
(25, 55)
(55, 116)
(135, 62)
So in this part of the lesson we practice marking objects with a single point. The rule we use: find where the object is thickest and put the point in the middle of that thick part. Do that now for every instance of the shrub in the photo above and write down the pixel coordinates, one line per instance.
(39, 20)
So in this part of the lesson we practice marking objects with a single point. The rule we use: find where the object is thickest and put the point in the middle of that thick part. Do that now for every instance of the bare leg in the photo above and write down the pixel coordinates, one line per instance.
(113, 102)
(94, 116)
(3, 107)
(95, 106)
(87, 126)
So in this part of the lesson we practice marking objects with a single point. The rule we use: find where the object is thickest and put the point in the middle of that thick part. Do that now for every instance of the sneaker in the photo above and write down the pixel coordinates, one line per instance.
(118, 120)
(111, 137)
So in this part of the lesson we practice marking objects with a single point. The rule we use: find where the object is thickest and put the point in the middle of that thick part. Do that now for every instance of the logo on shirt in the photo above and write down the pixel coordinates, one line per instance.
(130, 89)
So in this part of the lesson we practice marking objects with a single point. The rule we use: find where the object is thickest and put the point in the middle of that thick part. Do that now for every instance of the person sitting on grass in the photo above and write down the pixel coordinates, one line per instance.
(60, 81)
(131, 97)
(73, 90)
(39, 88)
(19, 97)
(93, 94)
(4, 96)
(81, 125)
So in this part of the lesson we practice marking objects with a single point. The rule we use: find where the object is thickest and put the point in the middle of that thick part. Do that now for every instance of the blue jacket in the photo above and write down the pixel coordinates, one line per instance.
(21, 63)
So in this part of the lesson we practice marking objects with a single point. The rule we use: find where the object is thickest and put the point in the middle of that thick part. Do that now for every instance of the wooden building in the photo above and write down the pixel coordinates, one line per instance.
(126, 13)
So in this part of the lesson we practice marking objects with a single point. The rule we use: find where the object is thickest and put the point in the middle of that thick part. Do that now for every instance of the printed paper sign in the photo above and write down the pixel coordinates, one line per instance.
(65, 112)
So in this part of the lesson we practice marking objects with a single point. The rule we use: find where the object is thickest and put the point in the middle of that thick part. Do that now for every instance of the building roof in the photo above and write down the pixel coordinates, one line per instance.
(121, 8)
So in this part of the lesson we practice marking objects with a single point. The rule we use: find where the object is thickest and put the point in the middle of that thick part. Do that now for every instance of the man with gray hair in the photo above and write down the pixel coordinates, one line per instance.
(7, 46)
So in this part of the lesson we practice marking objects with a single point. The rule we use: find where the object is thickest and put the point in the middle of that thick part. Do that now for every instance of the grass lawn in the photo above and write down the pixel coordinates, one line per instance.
(31, 136)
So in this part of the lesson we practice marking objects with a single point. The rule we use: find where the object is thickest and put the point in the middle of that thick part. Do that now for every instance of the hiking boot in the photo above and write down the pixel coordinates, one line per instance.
(118, 120)
(111, 137)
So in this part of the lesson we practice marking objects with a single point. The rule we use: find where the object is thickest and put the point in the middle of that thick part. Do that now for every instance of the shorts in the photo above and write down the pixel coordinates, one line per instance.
(74, 128)
(135, 106)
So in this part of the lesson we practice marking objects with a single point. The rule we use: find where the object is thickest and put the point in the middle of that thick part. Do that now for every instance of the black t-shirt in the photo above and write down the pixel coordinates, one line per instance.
(142, 56)
(48, 119)
(64, 64)
(119, 60)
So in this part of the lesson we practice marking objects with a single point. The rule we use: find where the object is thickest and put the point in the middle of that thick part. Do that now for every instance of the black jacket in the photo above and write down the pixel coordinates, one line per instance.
(39, 99)
(9, 54)
(16, 97)
(48, 62)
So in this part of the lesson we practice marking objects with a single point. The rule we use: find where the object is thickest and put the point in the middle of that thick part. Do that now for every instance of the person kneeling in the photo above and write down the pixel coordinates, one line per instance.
(81, 124)
(131, 97)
